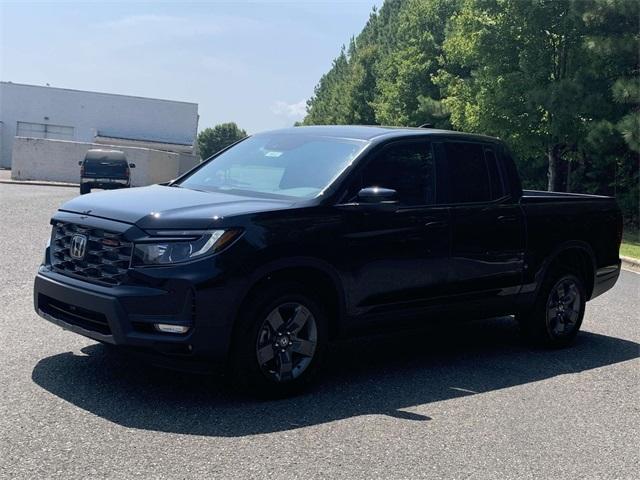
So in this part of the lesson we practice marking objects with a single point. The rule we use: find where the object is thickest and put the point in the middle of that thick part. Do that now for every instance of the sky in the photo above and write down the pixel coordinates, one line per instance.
(251, 62)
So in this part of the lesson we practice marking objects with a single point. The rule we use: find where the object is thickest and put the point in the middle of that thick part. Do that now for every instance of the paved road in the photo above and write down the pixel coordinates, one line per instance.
(453, 403)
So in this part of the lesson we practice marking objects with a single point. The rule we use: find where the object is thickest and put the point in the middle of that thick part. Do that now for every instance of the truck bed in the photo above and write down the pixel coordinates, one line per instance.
(554, 219)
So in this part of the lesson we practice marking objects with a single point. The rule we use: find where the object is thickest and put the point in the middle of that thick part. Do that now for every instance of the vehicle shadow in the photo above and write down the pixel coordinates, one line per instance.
(375, 375)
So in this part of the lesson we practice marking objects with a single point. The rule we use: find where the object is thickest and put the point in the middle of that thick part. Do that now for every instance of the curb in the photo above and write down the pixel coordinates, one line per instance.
(41, 183)
(629, 263)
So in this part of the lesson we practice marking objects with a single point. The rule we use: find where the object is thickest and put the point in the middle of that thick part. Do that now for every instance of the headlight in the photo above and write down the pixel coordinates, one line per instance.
(181, 246)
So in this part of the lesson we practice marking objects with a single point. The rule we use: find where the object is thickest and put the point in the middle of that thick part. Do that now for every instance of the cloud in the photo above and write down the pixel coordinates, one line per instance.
(291, 110)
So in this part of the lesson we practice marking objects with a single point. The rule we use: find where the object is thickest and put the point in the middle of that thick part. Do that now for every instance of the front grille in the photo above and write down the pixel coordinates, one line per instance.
(106, 259)
(87, 319)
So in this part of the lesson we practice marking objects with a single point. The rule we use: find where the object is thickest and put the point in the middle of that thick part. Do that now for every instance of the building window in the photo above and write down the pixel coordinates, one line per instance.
(43, 130)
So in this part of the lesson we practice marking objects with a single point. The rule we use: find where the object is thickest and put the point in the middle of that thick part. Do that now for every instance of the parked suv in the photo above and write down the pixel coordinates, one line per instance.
(260, 256)
(107, 169)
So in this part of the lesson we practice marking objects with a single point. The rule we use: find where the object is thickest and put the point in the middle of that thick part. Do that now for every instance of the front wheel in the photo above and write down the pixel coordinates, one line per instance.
(558, 312)
(84, 188)
(280, 341)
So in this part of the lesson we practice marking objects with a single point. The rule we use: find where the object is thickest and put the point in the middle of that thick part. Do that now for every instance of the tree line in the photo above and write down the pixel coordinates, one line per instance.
(558, 80)
(213, 139)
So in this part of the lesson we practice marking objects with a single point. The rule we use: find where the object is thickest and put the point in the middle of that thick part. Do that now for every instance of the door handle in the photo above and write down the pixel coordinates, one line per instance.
(507, 218)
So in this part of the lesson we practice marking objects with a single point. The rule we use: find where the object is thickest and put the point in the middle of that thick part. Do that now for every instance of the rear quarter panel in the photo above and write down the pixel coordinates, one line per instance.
(557, 221)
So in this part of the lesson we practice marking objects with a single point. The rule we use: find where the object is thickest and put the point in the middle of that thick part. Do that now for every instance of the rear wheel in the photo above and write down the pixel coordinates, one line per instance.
(558, 312)
(84, 189)
(280, 341)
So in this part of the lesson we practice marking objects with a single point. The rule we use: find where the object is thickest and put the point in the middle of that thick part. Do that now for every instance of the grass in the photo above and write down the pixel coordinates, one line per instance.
(631, 244)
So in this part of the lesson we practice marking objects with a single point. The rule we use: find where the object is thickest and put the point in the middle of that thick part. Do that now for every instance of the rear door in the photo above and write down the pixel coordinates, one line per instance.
(488, 233)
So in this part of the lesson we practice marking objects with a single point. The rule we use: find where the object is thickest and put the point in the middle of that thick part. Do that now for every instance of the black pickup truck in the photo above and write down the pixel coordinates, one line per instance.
(106, 169)
(257, 258)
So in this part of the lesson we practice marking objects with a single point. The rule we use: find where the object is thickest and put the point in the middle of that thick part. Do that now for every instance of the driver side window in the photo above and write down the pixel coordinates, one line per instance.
(408, 168)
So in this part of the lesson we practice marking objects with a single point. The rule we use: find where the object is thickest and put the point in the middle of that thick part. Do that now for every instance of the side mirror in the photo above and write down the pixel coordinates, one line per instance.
(374, 199)
(80, 163)
(373, 195)
(132, 165)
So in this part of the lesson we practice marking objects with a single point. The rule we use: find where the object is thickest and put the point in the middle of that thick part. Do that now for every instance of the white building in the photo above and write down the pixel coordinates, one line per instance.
(91, 117)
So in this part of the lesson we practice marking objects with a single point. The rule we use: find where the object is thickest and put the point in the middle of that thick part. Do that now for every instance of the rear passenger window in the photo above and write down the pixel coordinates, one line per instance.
(497, 186)
(468, 175)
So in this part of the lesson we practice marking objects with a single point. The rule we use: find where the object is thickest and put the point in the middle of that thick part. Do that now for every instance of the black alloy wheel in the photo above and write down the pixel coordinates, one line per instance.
(280, 340)
(287, 342)
(563, 307)
(556, 317)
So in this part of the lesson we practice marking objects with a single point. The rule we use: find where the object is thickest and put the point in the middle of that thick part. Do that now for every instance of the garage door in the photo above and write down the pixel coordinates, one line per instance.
(43, 130)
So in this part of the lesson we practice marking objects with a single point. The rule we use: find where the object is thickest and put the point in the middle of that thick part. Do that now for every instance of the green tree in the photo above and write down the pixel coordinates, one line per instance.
(212, 140)
(346, 93)
(516, 69)
(610, 163)
(554, 78)
(328, 106)
(406, 94)
(558, 80)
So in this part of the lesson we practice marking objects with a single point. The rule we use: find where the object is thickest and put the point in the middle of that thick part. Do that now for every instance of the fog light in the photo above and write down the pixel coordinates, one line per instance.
(169, 328)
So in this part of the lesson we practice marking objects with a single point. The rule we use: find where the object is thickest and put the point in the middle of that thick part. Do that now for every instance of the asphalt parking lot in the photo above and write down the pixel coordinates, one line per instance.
(456, 402)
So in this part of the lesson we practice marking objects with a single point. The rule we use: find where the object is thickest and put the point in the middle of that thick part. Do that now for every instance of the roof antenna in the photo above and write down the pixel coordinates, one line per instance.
(426, 125)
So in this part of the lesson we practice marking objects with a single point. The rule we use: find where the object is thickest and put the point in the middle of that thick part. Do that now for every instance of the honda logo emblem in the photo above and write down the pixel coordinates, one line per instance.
(78, 246)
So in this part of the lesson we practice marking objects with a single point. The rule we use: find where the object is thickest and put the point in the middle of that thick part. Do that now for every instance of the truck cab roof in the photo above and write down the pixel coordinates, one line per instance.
(104, 155)
(378, 133)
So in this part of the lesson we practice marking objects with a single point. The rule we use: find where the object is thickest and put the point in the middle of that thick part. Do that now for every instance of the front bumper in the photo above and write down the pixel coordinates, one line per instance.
(124, 315)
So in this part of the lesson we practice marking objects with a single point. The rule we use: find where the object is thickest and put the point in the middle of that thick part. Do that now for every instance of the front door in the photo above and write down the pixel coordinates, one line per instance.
(398, 258)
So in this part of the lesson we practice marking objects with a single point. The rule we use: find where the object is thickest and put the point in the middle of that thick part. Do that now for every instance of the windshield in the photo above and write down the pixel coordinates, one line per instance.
(294, 165)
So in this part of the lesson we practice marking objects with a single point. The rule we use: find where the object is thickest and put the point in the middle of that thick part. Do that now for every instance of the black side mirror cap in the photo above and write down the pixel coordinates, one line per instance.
(132, 165)
(377, 195)
(373, 199)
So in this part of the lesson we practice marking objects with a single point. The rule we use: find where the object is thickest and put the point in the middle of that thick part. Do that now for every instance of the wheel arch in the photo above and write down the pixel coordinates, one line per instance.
(315, 275)
(573, 255)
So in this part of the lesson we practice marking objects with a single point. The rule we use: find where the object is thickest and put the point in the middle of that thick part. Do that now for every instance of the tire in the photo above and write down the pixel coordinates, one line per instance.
(280, 341)
(557, 314)
(84, 189)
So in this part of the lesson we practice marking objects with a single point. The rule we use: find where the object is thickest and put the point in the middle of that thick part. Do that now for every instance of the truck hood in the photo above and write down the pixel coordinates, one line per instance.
(159, 206)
